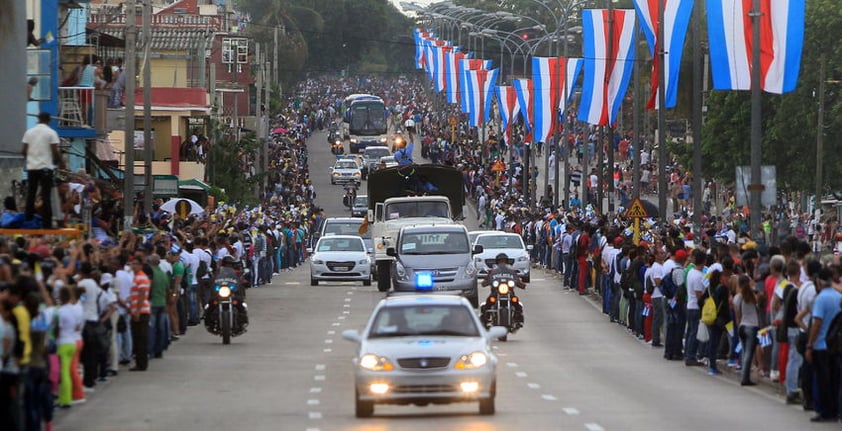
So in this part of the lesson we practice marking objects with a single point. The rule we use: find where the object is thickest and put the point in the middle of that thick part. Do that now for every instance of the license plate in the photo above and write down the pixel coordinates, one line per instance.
(342, 268)
(440, 288)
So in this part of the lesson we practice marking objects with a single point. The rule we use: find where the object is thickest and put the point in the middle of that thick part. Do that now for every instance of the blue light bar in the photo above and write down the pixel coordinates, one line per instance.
(424, 281)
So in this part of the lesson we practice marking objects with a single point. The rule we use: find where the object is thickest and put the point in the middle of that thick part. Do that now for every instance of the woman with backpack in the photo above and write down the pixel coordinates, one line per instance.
(748, 319)
(717, 292)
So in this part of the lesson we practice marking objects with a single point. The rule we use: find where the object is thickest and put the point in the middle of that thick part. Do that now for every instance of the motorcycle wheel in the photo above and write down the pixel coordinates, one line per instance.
(226, 326)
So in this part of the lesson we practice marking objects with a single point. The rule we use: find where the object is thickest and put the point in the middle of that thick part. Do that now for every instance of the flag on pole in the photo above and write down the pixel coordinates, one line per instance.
(677, 15)
(453, 81)
(606, 79)
(440, 72)
(419, 48)
(507, 102)
(480, 87)
(548, 81)
(573, 68)
(730, 30)
(468, 65)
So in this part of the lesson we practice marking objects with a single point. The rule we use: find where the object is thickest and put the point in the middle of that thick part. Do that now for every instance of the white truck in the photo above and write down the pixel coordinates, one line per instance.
(409, 195)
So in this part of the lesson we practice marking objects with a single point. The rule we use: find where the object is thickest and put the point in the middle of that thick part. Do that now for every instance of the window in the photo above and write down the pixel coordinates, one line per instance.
(38, 78)
(424, 320)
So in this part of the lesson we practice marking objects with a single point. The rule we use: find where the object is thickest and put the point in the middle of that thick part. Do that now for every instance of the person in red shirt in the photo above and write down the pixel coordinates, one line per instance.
(582, 255)
(139, 309)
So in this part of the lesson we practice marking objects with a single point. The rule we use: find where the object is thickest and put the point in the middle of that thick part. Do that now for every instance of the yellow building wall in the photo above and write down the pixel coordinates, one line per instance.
(169, 72)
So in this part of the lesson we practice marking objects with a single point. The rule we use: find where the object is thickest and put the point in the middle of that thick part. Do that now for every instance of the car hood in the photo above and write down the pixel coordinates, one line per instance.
(491, 253)
(339, 255)
(424, 346)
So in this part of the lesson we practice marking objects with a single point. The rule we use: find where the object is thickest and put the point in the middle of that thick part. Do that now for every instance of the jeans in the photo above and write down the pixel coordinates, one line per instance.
(657, 319)
(159, 334)
(37, 398)
(140, 332)
(193, 303)
(713, 344)
(90, 354)
(124, 341)
(568, 268)
(676, 318)
(793, 364)
(826, 367)
(43, 179)
(691, 344)
(748, 336)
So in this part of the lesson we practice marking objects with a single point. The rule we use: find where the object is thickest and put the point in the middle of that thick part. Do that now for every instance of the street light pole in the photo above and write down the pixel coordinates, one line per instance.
(662, 121)
(610, 149)
(756, 185)
(820, 131)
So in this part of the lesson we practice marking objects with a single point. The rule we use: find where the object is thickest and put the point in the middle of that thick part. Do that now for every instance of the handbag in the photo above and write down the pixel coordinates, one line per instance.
(702, 334)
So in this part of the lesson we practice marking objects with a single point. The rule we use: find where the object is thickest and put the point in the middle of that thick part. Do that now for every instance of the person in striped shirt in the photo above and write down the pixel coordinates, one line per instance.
(139, 309)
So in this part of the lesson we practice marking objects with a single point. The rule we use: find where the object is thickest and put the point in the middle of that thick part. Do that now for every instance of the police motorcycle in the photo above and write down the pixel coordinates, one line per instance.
(503, 307)
(337, 147)
(226, 311)
(350, 195)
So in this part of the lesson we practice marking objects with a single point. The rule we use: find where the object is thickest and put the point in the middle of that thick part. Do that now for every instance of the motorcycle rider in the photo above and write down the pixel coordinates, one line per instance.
(350, 194)
(226, 275)
(502, 271)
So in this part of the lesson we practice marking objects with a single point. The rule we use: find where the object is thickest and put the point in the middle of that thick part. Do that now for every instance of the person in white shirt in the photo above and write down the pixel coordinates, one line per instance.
(69, 331)
(676, 311)
(123, 280)
(653, 278)
(695, 288)
(611, 290)
(40, 148)
(190, 258)
(90, 351)
(107, 308)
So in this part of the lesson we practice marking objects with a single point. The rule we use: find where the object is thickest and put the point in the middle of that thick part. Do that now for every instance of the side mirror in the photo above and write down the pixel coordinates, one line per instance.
(370, 250)
(494, 332)
(370, 216)
(354, 335)
(477, 249)
(391, 252)
(530, 247)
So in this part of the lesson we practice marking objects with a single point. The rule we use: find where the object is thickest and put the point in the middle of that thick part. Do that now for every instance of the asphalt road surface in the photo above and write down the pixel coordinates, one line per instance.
(567, 369)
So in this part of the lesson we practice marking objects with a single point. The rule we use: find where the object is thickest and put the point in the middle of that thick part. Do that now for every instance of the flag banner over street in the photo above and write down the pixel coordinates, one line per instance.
(547, 86)
(507, 102)
(481, 84)
(677, 15)
(524, 98)
(573, 68)
(606, 79)
(781, 41)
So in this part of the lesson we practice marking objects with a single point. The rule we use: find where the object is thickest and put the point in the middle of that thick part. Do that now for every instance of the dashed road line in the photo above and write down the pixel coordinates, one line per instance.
(594, 427)
(313, 402)
(511, 364)
(314, 415)
(331, 332)
(570, 411)
(346, 312)
(315, 390)
(328, 350)
(533, 386)
(312, 429)
(342, 317)
(346, 305)
(292, 283)
(521, 374)
(329, 341)
(335, 324)
(319, 377)
(320, 367)
(549, 397)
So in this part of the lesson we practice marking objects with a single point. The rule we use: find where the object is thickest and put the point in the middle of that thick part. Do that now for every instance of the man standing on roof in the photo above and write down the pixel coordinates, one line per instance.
(40, 148)
(403, 151)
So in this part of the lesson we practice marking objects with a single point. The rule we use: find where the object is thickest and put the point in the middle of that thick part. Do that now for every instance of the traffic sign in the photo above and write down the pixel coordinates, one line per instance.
(498, 167)
(637, 210)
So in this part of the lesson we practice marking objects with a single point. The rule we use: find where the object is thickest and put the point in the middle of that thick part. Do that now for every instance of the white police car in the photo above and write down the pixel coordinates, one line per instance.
(422, 349)
(494, 243)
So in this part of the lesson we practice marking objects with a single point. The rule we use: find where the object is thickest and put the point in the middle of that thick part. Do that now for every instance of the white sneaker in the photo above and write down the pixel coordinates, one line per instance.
(88, 390)
(774, 375)
(82, 401)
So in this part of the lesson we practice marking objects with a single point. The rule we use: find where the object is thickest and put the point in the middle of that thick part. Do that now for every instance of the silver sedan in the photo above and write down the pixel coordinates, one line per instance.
(340, 258)
(423, 349)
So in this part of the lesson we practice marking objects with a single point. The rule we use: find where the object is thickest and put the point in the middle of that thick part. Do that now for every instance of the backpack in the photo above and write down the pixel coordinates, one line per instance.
(668, 287)
(790, 304)
(834, 336)
(202, 270)
(709, 310)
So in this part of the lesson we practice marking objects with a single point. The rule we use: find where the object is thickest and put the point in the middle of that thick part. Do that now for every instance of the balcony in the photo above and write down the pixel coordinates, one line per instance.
(82, 111)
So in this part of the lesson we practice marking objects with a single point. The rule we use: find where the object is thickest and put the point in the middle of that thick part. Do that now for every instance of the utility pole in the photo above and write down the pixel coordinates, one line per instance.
(756, 185)
(203, 61)
(130, 68)
(662, 117)
(275, 54)
(698, 100)
(148, 147)
(636, 143)
(261, 138)
(611, 55)
(820, 131)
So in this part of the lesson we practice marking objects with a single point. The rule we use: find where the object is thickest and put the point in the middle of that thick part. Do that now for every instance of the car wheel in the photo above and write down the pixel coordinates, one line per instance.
(384, 277)
(474, 300)
(314, 282)
(486, 405)
(367, 282)
(504, 338)
(526, 278)
(364, 409)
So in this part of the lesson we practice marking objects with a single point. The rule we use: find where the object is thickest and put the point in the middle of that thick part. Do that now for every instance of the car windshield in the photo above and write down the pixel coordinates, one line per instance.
(376, 153)
(345, 228)
(453, 242)
(499, 241)
(346, 165)
(361, 201)
(424, 320)
(417, 209)
(340, 244)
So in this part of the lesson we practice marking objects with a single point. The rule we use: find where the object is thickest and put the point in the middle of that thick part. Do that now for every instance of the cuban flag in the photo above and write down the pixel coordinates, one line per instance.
(781, 41)
(606, 79)
(547, 86)
(524, 89)
(507, 102)
(573, 68)
(429, 48)
(677, 15)
(480, 90)
(419, 48)
(440, 75)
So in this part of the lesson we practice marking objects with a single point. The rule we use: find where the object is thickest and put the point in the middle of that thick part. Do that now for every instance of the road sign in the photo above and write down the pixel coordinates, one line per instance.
(637, 210)
(498, 167)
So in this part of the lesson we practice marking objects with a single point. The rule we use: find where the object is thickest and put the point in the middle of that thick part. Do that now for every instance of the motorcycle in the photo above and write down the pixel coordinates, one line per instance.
(502, 307)
(226, 314)
(337, 147)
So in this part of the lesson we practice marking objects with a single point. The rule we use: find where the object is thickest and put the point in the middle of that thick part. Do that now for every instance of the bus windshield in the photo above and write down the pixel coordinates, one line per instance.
(367, 118)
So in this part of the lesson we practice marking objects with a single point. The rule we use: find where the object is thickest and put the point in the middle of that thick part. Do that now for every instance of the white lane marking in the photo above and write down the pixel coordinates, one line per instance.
(320, 367)
(335, 324)
(341, 317)
(511, 364)
(292, 283)
(594, 427)
(315, 390)
(533, 386)
(538, 279)
(331, 332)
(570, 411)
(502, 354)
(521, 374)
(346, 312)
(312, 429)
(313, 402)
(329, 341)
(349, 292)
(549, 397)
(319, 377)
(347, 299)
(314, 415)
(346, 305)
(495, 347)
(328, 350)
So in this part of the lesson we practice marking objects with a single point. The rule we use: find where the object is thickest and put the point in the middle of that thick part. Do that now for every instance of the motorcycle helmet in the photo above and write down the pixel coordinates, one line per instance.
(228, 260)
(503, 257)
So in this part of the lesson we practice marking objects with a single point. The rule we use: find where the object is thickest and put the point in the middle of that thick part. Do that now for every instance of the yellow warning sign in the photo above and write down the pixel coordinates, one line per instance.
(637, 210)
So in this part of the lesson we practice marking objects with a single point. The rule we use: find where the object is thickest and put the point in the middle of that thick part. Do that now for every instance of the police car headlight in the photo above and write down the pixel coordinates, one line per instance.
(470, 270)
(471, 361)
(353, 141)
(383, 140)
(376, 363)
(523, 258)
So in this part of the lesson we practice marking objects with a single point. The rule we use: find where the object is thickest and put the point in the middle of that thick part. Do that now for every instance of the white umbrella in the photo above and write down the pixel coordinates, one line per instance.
(175, 206)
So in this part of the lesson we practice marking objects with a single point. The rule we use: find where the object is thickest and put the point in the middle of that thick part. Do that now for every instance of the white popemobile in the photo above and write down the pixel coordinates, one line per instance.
(340, 258)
